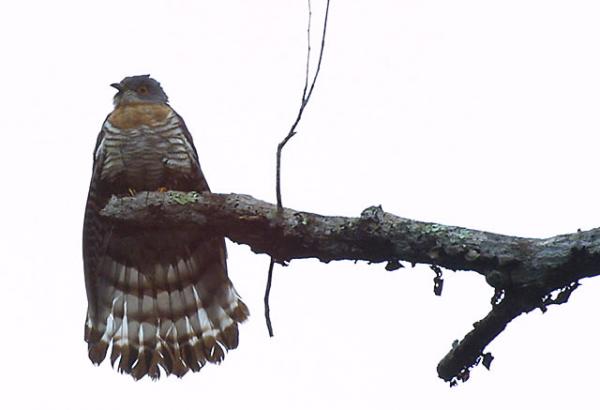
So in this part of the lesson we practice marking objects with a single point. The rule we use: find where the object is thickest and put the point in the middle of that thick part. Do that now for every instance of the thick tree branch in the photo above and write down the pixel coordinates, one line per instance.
(524, 271)
(375, 236)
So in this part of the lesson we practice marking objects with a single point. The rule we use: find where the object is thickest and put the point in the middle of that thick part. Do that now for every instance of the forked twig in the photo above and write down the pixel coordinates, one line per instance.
(306, 93)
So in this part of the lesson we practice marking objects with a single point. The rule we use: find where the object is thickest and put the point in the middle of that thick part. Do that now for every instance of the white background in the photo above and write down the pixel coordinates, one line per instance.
(476, 113)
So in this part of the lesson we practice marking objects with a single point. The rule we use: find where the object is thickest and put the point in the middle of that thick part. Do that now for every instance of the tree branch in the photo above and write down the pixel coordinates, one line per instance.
(524, 271)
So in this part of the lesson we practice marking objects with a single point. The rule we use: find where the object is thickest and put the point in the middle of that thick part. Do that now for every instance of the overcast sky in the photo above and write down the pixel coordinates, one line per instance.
(482, 114)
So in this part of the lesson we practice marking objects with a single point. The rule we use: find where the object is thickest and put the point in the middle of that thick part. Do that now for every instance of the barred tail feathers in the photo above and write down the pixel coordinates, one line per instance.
(176, 316)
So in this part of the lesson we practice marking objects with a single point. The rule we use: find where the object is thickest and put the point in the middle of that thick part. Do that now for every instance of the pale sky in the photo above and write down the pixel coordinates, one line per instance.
(482, 114)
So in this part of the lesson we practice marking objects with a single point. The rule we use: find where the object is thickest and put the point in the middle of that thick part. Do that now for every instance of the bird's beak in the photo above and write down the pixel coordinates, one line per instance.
(117, 86)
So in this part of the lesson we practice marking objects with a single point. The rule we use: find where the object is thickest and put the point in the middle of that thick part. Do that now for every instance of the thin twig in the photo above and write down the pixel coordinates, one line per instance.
(267, 293)
(306, 93)
(308, 48)
(305, 97)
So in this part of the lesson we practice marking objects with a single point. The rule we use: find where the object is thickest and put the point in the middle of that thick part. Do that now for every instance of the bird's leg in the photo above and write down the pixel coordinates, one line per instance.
(163, 189)
(131, 191)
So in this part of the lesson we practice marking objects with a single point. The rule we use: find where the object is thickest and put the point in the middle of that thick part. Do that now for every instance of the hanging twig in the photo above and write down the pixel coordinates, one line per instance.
(267, 293)
(306, 93)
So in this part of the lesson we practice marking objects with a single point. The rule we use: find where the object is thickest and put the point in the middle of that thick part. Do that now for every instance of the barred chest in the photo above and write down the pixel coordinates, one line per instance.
(144, 146)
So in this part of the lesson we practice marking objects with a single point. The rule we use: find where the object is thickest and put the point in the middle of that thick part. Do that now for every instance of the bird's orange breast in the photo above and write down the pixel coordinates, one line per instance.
(135, 115)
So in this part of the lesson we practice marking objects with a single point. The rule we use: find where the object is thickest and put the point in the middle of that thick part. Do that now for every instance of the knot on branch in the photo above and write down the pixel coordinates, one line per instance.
(497, 279)
(372, 214)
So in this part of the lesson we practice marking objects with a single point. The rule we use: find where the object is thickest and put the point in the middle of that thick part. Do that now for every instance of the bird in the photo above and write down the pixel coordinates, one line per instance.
(160, 297)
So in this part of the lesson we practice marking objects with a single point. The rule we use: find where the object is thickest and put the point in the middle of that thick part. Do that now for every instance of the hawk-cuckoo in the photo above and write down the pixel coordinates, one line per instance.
(160, 297)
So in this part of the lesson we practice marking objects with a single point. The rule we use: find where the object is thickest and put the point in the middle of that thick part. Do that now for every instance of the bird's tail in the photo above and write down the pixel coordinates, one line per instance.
(174, 315)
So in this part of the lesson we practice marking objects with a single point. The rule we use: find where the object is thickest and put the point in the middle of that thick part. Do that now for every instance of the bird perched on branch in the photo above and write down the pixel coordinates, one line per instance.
(160, 297)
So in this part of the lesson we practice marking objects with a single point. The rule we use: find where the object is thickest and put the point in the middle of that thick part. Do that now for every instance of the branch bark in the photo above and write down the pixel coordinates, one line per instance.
(523, 271)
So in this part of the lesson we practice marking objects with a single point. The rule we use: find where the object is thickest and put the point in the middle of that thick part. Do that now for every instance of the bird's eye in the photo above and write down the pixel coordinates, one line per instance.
(143, 90)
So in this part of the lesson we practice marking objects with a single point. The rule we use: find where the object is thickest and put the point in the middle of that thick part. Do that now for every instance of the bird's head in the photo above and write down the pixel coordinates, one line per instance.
(139, 89)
